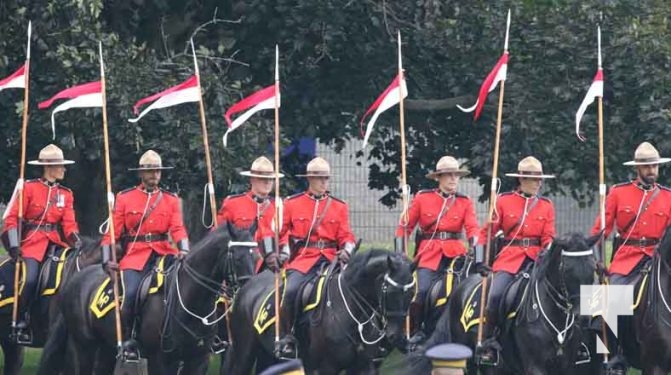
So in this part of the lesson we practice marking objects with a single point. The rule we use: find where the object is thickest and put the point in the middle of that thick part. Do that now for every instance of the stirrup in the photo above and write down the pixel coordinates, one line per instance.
(218, 345)
(285, 348)
(487, 355)
(583, 355)
(22, 336)
(130, 353)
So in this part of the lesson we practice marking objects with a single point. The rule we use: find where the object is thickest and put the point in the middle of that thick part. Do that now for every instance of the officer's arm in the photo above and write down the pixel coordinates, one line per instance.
(344, 234)
(69, 223)
(549, 231)
(177, 229)
(118, 216)
(222, 215)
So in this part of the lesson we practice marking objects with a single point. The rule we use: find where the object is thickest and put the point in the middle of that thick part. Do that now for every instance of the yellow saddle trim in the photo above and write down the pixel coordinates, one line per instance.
(59, 273)
(100, 305)
(449, 282)
(639, 296)
(318, 297)
(10, 300)
(159, 276)
(262, 320)
(466, 316)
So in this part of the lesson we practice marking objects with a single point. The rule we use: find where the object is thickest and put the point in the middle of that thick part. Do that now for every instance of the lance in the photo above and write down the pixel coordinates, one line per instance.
(19, 183)
(110, 203)
(278, 204)
(492, 195)
(206, 143)
(405, 191)
(602, 195)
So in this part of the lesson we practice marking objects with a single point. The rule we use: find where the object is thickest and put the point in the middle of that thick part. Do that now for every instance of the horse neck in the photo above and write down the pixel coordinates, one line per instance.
(363, 284)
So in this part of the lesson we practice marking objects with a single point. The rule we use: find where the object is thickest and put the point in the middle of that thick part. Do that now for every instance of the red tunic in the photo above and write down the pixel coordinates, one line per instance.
(36, 210)
(622, 204)
(539, 224)
(300, 215)
(242, 209)
(165, 218)
(425, 209)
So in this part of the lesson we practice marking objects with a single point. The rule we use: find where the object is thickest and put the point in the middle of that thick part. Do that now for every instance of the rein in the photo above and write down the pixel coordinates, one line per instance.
(560, 297)
(364, 306)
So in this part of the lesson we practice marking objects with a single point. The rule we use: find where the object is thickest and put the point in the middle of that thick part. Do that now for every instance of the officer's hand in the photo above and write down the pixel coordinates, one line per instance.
(111, 268)
(284, 257)
(272, 262)
(483, 269)
(14, 252)
(601, 269)
(343, 256)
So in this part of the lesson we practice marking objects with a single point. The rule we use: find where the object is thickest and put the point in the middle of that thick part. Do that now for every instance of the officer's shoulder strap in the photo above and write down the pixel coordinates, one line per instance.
(127, 190)
(238, 195)
(621, 184)
(544, 198)
(424, 191)
(294, 196)
(32, 181)
(65, 188)
(170, 193)
(337, 199)
(506, 194)
(664, 187)
(461, 195)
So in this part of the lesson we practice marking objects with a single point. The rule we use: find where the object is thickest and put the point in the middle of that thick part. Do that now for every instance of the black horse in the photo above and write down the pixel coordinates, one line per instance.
(646, 337)
(360, 318)
(176, 326)
(43, 311)
(545, 335)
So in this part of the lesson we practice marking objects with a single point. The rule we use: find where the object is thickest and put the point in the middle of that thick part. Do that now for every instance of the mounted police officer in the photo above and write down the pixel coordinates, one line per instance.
(48, 210)
(255, 208)
(448, 359)
(524, 224)
(315, 230)
(639, 212)
(442, 215)
(145, 218)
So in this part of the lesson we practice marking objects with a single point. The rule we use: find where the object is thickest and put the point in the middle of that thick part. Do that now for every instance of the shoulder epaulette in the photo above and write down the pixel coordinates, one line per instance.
(32, 180)
(294, 196)
(461, 195)
(65, 188)
(424, 191)
(126, 191)
(337, 199)
(170, 193)
(665, 187)
(506, 193)
(544, 198)
(621, 184)
(235, 195)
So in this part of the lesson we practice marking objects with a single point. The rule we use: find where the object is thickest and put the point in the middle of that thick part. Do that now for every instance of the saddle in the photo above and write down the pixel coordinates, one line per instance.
(441, 289)
(152, 283)
(511, 303)
(51, 275)
(310, 297)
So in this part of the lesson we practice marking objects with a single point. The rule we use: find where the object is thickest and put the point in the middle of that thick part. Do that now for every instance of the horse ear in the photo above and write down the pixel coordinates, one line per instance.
(593, 240)
(390, 264)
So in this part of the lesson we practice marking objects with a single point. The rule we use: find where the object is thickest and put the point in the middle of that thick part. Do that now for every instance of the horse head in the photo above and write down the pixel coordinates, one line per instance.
(568, 264)
(240, 264)
(385, 277)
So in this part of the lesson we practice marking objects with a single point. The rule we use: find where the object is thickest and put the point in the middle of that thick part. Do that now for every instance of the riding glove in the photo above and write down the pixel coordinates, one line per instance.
(13, 239)
(110, 266)
(75, 241)
(183, 246)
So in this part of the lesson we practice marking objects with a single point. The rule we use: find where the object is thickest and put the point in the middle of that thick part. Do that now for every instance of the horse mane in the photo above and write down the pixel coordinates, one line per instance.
(90, 243)
(217, 237)
(569, 242)
(356, 267)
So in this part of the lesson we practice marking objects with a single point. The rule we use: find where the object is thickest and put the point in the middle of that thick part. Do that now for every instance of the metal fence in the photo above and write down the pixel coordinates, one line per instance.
(375, 223)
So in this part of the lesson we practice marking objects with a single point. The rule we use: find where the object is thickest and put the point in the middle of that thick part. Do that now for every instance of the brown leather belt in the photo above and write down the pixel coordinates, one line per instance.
(440, 235)
(641, 242)
(46, 227)
(523, 242)
(322, 244)
(149, 237)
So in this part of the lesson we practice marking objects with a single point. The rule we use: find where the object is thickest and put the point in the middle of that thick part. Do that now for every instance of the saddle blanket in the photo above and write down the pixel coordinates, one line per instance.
(311, 296)
(103, 300)
(51, 274)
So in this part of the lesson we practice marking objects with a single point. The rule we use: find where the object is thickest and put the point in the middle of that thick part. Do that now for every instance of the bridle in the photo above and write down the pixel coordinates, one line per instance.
(560, 297)
(375, 316)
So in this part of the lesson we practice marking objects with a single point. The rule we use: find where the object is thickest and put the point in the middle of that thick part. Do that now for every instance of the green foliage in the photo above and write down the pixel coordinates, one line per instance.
(336, 57)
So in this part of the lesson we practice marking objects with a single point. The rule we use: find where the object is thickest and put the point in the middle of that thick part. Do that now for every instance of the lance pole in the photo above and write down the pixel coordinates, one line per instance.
(492, 195)
(110, 204)
(19, 183)
(206, 143)
(278, 223)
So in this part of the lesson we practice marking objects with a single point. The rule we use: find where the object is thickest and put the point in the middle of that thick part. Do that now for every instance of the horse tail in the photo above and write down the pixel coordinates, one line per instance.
(53, 356)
